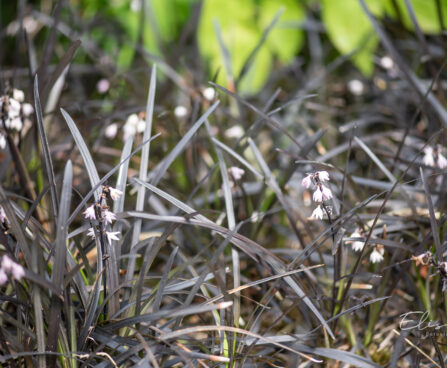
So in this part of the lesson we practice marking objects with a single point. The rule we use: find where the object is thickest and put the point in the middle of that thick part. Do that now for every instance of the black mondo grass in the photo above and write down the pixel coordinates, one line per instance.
(170, 202)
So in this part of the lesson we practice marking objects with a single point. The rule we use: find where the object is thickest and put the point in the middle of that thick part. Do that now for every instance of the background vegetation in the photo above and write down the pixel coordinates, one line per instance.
(165, 101)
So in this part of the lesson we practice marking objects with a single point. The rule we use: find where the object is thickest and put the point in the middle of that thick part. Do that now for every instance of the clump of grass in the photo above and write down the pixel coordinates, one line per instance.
(157, 236)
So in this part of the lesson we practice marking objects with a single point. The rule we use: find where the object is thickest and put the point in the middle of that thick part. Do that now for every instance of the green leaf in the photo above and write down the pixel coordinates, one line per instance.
(426, 14)
(242, 24)
(350, 30)
(284, 41)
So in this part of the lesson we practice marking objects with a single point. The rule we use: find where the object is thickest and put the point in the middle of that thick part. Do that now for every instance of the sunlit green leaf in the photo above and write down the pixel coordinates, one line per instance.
(242, 24)
(284, 41)
(350, 30)
(425, 10)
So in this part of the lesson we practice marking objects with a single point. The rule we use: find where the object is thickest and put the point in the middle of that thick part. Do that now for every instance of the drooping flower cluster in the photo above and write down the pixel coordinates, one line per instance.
(321, 194)
(378, 252)
(433, 157)
(14, 113)
(101, 213)
(9, 268)
(134, 124)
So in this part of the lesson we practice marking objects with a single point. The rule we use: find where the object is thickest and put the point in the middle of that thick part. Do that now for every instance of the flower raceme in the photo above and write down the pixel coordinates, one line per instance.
(14, 113)
(102, 211)
(321, 194)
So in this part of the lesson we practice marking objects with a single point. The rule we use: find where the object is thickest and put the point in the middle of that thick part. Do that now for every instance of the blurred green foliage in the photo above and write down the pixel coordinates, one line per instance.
(241, 31)
(229, 31)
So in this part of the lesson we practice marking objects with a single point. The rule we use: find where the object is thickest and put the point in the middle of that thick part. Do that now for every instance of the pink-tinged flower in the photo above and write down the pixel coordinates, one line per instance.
(326, 193)
(318, 213)
(3, 277)
(318, 195)
(428, 158)
(112, 235)
(115, 193)
(377, 255)
(323, 175)
(236, 172)
(7, 263)
(111, 131)
(27, 109)
(103, 85)
(109, 216)
(442, 161)
(3, 217)
(17, 271)
(91, 233)
(89, 213)
(307, 181)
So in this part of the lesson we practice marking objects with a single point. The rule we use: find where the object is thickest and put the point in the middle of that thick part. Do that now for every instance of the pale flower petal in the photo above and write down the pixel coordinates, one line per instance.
(180, 111)
(326, 193)
(129, 130)
(91, 233)
(3, 217)
(27, 109)
(16, 124)
(236, 172)
(442, 161)
(141, 125)
(115, 193)
(109, 216)
(318, 213)
(235, 132)
(307, 181)
(103, 85)
(318, 195)
(3, 277)
(111, 131)
(89, 213)
(323, 175)
(132, 120)
(14, 107)
(428, 158)
(18, 95)
(357, 245)
(17, 271)
(112, 235)
(7, 263)
(2, 141)
(209, 93)
(376, 255)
